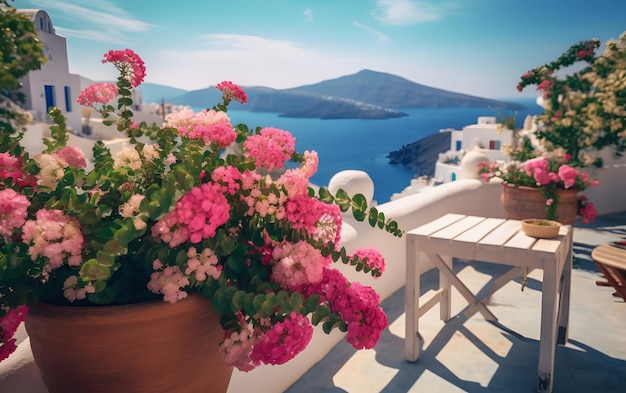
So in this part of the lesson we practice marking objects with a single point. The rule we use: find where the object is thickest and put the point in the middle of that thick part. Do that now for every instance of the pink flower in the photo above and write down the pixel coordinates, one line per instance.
(169, 281)
(129, 63)
(197, 216)
(11, 168)
(13, 211)
(568, 175)
(72, 155)
(283, 341)
(373, 259)
(8, 325)
(549, 201)
(297, 264)
(586, 210)
(270, 148)
(55, 236)
(98, 93)
(320, 219)
(231, 91)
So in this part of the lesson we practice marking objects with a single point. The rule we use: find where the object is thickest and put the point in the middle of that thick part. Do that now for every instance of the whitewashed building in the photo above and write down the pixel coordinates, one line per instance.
(52, 85)
(486, 137)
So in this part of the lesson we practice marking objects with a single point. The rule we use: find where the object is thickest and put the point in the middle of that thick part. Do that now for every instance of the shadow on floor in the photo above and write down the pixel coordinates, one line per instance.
(578, 368)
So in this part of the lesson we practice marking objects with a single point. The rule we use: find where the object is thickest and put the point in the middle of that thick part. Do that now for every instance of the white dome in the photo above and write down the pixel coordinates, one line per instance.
(353, 182)
(469, 164)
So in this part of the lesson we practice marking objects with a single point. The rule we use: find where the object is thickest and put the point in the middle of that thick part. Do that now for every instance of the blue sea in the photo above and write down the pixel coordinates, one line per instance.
(365, 144)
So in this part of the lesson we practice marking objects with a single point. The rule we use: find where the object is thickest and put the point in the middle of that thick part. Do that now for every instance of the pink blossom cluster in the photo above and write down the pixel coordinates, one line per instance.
(197, 216)
(13, 212)
(203, 265)
(586, 210)
(229, 177)
(211, 126)
(297, 264)
(373, 258)
(55, 236)
(129, 63)
(270, 148)
(52, 166)
(168, 281)
(231, 91)
(71, 156)
(98, 93)
(238, 345)
(283, 341)
(357, 304)
(539, 169)
(11, 168)
(8, 325)
(269, 343)
(316, 217)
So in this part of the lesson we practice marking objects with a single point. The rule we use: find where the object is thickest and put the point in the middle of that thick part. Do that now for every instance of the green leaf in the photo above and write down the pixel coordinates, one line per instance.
(94, 271)
(342, 199)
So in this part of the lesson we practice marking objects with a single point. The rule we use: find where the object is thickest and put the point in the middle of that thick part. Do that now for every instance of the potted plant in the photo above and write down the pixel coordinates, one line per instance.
(584, 113)
(172, 217)
(542, 187)
(585, 110)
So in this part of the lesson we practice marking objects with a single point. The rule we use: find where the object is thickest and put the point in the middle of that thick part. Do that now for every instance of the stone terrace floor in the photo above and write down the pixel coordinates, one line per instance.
(474, 355)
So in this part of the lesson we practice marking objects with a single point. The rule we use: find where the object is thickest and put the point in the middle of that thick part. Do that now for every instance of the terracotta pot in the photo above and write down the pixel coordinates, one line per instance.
(520, 202)
(153, 347)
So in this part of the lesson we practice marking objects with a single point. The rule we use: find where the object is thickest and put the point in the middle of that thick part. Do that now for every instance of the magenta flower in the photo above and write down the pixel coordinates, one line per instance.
(72, 155)
(283, 341)
(8, 325)
(373, 258)
(12, 212)
(98, 93)
(11, 168)
(270, 148)
(129, 63)
(231, 91)
(55, 236)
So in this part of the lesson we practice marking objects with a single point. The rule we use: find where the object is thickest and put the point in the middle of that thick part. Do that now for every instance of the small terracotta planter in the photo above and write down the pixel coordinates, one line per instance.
(520, 202)
(153, 347)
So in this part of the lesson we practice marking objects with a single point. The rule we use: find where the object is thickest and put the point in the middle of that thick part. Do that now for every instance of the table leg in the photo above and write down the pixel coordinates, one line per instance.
(547, 339)
(411, 302)
(445, 304)
(444, 269)
(565, 291)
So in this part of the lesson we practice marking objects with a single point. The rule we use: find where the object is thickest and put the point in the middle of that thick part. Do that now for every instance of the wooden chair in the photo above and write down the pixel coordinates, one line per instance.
(611, 261)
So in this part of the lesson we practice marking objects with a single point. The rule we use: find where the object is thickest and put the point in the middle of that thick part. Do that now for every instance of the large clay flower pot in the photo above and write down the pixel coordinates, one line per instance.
(153, 347)
(520, 202)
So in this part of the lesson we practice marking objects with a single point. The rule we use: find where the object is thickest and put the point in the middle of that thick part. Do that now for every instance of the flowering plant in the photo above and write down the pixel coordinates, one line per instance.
(174, 214)
(584, 110)
(547, 173)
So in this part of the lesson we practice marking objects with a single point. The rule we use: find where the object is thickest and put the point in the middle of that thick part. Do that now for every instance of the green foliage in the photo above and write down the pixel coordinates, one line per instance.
(584, 110)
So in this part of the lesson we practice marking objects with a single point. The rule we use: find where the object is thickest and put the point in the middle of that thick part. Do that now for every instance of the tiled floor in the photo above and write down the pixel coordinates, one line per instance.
(473, 355)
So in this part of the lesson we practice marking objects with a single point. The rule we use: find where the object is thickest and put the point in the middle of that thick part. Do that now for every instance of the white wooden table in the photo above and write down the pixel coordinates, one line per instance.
(497, 241)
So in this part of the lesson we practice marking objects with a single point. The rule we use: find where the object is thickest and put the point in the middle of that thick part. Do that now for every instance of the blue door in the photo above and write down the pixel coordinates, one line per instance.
(49, 96)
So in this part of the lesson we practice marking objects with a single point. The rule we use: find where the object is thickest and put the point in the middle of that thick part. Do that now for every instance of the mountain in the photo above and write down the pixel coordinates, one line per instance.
(152, 93)
(364, 95)
(392, 91)
(421, 156)
(292, 104)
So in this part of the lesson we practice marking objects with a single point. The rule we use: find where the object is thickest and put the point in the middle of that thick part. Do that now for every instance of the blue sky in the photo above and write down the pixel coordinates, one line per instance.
(477, 47)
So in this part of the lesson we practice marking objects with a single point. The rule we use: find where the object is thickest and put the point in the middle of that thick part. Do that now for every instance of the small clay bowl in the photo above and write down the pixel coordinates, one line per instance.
(540, 228)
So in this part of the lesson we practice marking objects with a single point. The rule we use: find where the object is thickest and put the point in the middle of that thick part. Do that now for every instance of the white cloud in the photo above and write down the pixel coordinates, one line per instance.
(381, 37)
(243, 59)
(107, 22)
(406, 12)
(308, 14)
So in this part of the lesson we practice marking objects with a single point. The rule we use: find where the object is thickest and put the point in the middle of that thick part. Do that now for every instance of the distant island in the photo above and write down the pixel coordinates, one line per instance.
(421, 156)
(364, 95)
